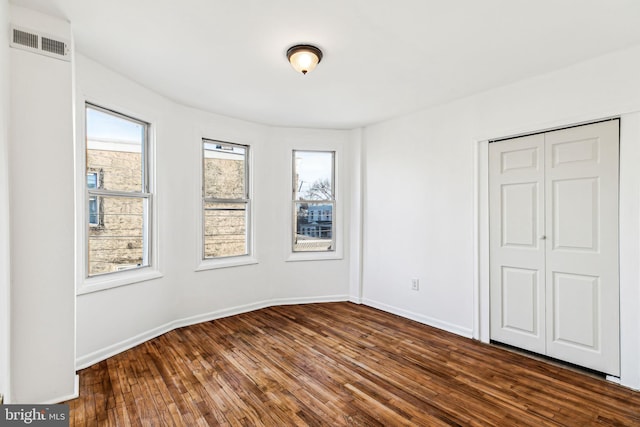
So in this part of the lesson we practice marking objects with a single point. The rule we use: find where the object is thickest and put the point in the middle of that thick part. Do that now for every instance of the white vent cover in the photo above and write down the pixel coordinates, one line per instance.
(33, 41)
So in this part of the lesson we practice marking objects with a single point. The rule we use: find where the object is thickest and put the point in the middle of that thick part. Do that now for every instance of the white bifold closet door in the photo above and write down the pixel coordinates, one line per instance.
(553, 201)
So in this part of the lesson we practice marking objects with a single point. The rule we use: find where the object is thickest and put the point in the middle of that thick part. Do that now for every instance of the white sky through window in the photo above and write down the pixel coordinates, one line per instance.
(312, 166)
(104, 126)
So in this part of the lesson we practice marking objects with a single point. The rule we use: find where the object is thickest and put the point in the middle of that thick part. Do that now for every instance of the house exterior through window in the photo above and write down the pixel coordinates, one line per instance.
(226, 204)
(118, 199)
(313, 201)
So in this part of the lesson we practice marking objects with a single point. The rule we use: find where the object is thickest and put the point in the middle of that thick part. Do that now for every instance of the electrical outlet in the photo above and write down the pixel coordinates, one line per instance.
(415, 284)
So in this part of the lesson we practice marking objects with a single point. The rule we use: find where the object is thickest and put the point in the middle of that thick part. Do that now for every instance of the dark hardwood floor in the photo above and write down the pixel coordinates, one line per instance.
(337, 364)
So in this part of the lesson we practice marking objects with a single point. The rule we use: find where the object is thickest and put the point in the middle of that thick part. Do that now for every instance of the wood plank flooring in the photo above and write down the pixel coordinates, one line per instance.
(337, 364)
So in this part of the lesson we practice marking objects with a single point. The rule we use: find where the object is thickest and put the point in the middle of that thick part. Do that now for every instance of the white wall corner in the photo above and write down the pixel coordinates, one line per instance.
(355, 167)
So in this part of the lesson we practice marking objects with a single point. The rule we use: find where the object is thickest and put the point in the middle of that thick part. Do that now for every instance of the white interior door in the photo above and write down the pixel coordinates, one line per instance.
(517, 253)
(554, 244)
(582, 284)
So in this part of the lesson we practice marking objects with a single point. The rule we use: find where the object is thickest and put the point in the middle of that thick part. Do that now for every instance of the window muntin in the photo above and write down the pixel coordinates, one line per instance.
(313, 201)
(225, 199)
(118, 200)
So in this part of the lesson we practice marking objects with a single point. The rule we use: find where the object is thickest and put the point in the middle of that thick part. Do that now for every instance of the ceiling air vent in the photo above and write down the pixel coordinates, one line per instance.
(33, 41)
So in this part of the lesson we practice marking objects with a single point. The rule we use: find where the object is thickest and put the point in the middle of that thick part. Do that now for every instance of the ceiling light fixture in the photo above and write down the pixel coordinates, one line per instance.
(304, 57)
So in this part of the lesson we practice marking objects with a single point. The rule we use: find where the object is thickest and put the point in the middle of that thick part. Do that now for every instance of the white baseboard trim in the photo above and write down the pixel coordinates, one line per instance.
(218, 314)
(74, 395)
(613, 379)
(107, 352)
(618, 380)
(90, 359)
(355, 300)
(430, 321)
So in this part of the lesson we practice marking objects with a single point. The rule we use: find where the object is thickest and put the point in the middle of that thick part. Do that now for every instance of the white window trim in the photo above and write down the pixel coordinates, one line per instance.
(84, 284)
(117, 279)
(235, 261)
(203, 264)
(338, 217)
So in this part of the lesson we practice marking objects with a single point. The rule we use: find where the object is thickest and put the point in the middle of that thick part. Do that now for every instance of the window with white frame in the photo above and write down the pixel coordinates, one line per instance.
(225, 199)
(314, 203)
(118, 198)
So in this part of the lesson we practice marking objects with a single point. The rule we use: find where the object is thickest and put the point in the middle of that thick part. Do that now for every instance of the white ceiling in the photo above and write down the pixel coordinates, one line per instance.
(382, 58)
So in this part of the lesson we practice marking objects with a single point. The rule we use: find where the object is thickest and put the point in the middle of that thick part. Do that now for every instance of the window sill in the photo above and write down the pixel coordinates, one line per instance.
(313, 256)
(212, 264)
(117, 279)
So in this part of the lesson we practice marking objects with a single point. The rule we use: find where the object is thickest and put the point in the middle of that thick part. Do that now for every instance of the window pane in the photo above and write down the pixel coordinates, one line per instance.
(225, 229)
(114, 147)
(224, 171)
(118, 244)
(313, 227)
(93, 210)
(313, 175)
(92, 180)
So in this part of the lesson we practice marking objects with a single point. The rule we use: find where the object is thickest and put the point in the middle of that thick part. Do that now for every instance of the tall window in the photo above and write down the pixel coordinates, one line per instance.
(118, 200)
(313, 201)
(225, 199)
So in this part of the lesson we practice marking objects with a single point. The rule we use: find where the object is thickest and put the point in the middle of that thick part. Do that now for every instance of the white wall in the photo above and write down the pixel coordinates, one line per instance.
(42, 225)
(4, 200)
(421, 180)
(418, 217)
(111, 320)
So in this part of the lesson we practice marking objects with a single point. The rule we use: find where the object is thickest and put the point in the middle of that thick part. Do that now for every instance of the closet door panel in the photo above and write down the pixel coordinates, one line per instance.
(581, 283)
(516, 249)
